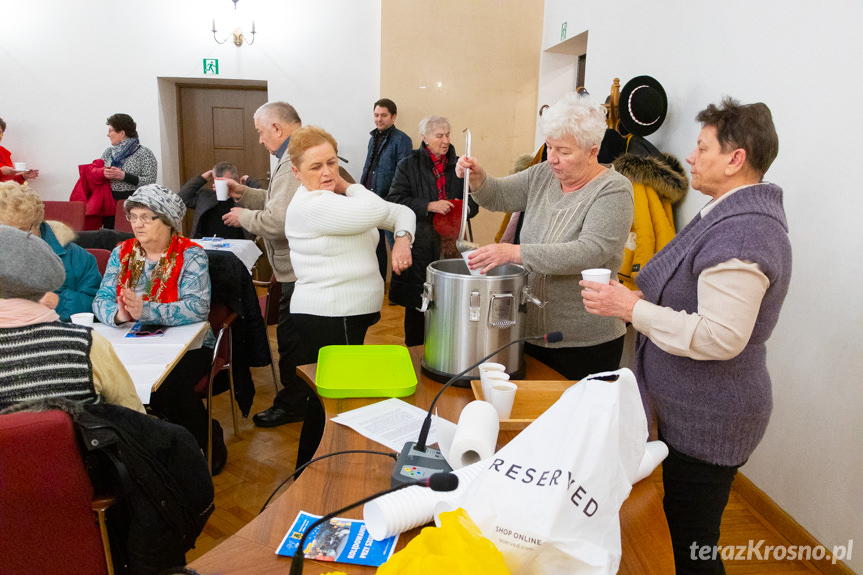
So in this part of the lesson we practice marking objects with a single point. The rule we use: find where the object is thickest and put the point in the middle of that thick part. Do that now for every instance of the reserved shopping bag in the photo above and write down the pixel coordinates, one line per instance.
(550, 499)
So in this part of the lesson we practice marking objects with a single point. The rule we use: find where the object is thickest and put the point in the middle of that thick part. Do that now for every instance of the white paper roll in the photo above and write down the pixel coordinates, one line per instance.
(476, 435)
(413, 506)
(654, 454)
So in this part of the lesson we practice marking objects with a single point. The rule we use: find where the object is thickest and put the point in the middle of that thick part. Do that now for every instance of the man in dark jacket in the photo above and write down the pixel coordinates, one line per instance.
(199, 195)
(387, 147)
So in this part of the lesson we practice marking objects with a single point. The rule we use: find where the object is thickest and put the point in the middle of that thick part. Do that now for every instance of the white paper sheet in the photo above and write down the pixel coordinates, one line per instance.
(144, 376)
(147, 358)
(392, 422)
(246, 250)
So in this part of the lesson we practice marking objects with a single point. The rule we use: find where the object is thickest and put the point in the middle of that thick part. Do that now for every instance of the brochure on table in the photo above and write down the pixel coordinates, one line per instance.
(339, 540)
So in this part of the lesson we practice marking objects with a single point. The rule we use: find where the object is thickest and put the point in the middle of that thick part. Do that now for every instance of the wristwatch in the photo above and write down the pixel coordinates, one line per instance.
(403, 233)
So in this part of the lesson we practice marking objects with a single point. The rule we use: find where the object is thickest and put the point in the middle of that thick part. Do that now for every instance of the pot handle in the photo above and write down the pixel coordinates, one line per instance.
(428, 290)
(527, 296)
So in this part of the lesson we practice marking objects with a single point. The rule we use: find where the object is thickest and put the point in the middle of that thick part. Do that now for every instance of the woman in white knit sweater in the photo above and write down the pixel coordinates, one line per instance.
(332, 228)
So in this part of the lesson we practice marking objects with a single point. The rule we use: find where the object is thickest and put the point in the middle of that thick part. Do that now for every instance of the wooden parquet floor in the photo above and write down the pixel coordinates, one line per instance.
(260, 459)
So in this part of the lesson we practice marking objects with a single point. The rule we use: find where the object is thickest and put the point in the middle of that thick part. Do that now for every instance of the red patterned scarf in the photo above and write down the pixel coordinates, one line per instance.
(438, 169)
(163, 283)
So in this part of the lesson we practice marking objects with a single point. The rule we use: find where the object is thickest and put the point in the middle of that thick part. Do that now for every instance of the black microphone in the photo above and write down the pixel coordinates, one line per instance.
(416, 458)
(435, 482)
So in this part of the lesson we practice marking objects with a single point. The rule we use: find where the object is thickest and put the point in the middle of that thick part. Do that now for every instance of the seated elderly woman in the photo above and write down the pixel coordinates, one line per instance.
(333, 231)
(74, 361)
(160, 277)
(24, 210)
(577, 216)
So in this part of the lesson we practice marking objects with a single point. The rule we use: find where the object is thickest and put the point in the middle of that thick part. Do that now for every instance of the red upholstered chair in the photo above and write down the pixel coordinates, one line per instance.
(102, 257)
(121, 224)
(270, 311)
(70, 213)
(47, 521)
(221, 318)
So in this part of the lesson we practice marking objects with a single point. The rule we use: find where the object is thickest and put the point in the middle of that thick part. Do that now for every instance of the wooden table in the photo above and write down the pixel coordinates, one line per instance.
(150, 359)
(338, 481)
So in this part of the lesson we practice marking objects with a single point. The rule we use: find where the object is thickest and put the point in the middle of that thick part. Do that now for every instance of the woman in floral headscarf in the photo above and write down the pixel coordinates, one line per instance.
(160, 277)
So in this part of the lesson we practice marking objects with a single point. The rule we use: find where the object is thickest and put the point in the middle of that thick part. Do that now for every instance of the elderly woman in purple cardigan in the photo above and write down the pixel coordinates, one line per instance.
(708, 303)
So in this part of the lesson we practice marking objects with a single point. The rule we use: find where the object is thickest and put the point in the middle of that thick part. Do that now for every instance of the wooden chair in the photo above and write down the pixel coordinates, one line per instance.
(221, 318)
(102, 257)
(270, 311)
(70, 213)
(121, 224)
(47, 523)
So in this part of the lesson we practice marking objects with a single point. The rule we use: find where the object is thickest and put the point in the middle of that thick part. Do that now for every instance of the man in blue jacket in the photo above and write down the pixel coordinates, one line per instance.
(387, 147)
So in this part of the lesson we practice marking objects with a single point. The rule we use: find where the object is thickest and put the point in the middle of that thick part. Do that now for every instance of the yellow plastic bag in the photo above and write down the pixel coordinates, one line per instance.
(456, 548)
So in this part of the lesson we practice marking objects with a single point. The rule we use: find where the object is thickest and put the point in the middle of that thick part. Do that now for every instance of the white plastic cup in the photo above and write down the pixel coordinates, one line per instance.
(491, 366)
(600, 275)
(502, 396)
(466, 255)
(20, 166)
(85, 318)
(488, 378)
(221, 189)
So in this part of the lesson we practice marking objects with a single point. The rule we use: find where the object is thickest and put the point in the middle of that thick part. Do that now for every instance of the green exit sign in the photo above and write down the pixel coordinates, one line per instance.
(211, 67)
(562, 32)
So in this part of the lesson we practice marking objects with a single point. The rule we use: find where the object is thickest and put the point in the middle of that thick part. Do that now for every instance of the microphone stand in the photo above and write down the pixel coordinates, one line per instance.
(448, 483)
(416, 458)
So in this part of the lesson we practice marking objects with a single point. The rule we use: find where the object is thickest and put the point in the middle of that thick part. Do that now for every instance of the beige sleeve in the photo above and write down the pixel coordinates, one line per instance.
(254, 198)
(269, 222)
(110, 378)
(729, 297)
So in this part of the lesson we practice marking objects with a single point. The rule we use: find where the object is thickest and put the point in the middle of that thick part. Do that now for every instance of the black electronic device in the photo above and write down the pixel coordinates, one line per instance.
(417, 460)
(435, 482)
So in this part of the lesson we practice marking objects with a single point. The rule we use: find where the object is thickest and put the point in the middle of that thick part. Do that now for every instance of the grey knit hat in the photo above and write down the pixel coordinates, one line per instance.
(29, 268)
(161, 201)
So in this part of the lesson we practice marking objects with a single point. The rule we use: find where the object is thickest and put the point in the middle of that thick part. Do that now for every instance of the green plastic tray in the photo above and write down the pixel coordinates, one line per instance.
(365, 371)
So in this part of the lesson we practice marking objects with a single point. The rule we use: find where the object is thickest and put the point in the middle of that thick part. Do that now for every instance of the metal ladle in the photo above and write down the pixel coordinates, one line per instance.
(462, 244)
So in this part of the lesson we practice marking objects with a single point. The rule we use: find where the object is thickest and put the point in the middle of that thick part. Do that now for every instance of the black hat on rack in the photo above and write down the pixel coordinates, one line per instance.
(643, 106)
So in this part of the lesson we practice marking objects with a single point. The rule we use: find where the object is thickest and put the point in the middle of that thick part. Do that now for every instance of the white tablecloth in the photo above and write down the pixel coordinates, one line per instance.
(246, 250)
(148, 359)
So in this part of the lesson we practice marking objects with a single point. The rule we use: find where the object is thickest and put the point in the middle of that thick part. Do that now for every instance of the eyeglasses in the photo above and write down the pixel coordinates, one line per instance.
(144, 219)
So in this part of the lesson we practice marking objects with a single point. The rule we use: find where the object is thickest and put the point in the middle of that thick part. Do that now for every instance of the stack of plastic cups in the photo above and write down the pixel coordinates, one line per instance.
(413, 506)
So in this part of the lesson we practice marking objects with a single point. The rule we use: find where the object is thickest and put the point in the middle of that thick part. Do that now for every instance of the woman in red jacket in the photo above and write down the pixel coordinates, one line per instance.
(7, 167)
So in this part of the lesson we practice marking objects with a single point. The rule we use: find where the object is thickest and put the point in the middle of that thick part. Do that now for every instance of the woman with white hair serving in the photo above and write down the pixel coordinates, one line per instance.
(577, 216)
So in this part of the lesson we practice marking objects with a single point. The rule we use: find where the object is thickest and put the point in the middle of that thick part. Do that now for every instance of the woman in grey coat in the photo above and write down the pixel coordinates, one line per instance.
(577, 216)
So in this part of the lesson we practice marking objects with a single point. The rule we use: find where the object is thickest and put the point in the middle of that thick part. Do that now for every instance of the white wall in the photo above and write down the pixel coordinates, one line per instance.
(804, 60)
(66, 66)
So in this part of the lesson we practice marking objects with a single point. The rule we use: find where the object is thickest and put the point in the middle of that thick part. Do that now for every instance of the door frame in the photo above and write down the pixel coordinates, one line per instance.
(201, 86)
(169, 117)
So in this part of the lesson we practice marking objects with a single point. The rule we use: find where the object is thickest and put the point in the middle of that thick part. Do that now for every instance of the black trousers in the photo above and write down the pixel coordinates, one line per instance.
(176, 400)
(696, 493)
(579, 362)
(294, 394)
(415, 327)
(319, 331)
